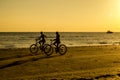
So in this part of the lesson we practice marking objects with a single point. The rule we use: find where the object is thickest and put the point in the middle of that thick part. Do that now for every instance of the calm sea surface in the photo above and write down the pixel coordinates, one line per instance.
(25, 39)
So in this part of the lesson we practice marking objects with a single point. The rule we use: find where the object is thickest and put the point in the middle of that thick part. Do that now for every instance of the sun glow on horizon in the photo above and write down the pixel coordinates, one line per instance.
(59, 15)
(119, 9)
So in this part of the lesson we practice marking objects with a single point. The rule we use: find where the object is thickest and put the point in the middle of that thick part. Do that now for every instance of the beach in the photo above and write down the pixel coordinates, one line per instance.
(79, 63)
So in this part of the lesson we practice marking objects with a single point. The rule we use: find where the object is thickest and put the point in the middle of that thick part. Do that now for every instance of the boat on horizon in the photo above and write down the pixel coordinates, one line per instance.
(109, 32)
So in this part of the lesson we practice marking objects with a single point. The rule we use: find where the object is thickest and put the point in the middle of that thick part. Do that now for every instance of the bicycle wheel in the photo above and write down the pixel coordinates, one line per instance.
(62, 49)
(48, 50)
(33, 48)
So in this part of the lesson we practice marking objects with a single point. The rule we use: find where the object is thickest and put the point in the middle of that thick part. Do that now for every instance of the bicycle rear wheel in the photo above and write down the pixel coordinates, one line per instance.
(62, 49)
(48, 50)
(33, 49)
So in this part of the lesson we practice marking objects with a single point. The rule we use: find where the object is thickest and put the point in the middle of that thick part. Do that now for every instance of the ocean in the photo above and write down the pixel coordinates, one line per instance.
(25, 39)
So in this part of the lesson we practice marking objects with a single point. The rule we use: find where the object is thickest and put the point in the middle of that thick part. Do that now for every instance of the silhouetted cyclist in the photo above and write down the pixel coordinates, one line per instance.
(57, 41)
(42, 39)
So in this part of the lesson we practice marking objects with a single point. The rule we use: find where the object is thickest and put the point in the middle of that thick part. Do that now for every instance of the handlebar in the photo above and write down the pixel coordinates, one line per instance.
(37, 40)
(51, 39)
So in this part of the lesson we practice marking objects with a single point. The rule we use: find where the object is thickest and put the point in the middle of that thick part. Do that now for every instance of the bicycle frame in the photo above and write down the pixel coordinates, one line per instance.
(59, 47)
(52, 43)
(39, 43)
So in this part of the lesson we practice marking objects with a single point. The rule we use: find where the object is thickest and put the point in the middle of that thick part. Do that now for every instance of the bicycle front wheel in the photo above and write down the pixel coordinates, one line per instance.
(62, 49)
(33, 49)
(48, 50)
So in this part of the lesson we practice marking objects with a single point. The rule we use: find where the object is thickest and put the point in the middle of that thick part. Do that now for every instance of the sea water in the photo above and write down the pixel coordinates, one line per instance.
(25, 39)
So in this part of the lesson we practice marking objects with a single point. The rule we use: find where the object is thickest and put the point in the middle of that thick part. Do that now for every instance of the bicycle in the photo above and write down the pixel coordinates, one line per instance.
(62, 49)
(38, 45)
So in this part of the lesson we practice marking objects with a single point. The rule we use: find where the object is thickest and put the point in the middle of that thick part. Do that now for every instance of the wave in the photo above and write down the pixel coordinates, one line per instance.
(13, 40)
(103, 42)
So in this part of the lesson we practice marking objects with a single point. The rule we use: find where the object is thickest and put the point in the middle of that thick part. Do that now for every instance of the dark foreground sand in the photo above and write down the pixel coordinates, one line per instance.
(80, 63)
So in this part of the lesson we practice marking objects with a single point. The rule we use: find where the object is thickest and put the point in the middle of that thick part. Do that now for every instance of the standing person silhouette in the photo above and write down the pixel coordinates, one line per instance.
(57, 41)
(42, 40)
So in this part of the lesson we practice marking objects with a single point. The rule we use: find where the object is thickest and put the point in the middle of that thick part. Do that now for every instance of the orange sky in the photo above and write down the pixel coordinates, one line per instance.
(59, 15)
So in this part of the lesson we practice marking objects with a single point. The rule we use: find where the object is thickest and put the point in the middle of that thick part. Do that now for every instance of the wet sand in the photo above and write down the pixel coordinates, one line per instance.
(79, 63)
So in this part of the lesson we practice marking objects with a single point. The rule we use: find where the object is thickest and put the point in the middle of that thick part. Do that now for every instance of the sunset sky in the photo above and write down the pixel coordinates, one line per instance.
(59, 15)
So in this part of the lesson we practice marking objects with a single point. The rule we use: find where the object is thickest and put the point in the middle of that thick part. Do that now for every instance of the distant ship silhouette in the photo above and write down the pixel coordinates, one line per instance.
(109, 32)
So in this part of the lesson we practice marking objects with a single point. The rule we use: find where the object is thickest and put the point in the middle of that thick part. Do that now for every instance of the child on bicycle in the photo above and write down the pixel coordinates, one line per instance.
(57, 41)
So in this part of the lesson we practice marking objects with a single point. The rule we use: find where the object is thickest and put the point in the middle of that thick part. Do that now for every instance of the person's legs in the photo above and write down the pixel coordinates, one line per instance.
(42, 45)
(55, 43)
(57, 49)
(40, 42)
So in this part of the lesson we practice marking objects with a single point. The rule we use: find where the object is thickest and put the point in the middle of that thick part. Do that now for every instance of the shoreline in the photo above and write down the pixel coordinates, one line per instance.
(91, 45)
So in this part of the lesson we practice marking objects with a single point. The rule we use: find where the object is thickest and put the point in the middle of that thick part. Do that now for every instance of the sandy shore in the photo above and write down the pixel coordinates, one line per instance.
(80, 63)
